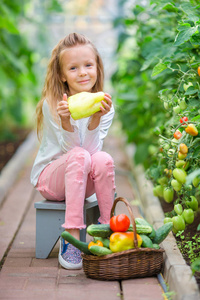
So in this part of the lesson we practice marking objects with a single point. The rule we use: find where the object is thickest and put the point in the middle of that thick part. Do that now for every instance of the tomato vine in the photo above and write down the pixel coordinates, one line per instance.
(158, 94)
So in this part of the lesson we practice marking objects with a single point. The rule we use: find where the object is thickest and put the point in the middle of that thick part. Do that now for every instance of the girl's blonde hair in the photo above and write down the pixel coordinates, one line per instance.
(54, 87)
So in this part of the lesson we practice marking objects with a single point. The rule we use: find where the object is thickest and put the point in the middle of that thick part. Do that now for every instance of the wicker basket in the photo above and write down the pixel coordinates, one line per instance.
(137, 262)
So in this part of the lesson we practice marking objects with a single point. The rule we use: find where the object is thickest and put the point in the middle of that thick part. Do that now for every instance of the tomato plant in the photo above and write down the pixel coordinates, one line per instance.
(157, 83)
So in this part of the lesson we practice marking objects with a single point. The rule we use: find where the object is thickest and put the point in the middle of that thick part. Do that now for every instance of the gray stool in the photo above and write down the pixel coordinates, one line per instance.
(50, 215)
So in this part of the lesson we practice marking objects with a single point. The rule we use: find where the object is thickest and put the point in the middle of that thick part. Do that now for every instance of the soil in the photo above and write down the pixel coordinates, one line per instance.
(9, 147)
(187, 237)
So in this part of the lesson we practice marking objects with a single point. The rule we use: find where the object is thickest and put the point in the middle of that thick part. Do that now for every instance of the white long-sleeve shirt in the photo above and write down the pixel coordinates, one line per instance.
(57, 141)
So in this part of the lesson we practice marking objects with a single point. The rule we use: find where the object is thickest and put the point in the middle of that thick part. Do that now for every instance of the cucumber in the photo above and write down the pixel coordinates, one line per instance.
(141, 221)
(146, 241)
(100, 230)
(82, 246)
(105, 241)
(162, 232)
(141, 229)
(156, 246)
(104, 231)
(100, 251)
(152, 234)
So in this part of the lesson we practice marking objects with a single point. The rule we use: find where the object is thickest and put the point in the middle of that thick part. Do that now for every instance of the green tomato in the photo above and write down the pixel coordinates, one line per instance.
(188, 215)
(193, 203)
(196, 181)
(188, 187)
(161, 141)
(186, 166)
(186, 86)
(166, 105)
(170, 152)
(152, 149)
(166, 146)
(163, 180)
(178, 209)
(180, 175)
(181, 156)
(176, 185)
(179, 223)
(183, 104)
(167, 220)
(177, 109)
(180, 163)
(157, 130)
(158, 191)
(174, 142)
(168, 194)
(175, 231)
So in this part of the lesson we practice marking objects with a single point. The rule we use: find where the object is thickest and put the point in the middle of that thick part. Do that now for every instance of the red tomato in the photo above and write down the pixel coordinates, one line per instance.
(119, 223)
(177, 134)
(183, 119)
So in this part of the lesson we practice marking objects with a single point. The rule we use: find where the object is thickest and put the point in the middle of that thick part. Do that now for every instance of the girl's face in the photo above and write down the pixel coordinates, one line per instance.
(79, 68)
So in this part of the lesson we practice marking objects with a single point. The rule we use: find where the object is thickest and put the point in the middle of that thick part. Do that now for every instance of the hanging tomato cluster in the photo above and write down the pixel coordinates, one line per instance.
(180, 179)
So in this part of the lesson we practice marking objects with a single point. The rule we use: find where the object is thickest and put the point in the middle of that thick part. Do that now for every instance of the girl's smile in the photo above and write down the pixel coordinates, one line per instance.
(79, 68)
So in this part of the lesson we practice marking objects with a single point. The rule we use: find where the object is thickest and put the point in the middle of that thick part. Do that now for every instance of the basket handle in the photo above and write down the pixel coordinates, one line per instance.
(135, 240)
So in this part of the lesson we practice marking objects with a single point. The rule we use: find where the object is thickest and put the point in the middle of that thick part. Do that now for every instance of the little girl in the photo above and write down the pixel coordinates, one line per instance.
(70, 165)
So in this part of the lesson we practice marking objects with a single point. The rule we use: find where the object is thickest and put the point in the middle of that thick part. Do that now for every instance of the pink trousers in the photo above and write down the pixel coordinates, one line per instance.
(75, 176)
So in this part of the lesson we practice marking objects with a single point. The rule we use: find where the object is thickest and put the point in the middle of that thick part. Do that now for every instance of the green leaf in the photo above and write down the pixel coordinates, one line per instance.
(191, 176)
(141, 153)
(195, 118)
(170, 7)
(195, 266)
(184, 35)
(198, 227)
(160, 67)
(183, 26)
(147, 63)
(191, 11)
(191, 91)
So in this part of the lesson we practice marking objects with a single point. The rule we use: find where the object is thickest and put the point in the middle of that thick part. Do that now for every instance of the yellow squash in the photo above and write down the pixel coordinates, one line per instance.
(83, 105)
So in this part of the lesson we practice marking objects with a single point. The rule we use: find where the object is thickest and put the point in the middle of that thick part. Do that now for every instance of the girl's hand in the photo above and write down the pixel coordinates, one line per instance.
(63, 108)
(106, 105)
(64, 113)
(104, 109)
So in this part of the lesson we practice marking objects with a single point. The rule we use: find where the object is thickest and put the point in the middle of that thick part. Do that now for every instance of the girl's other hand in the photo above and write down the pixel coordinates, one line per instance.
(64, 113)
(106, 105)
(63, 108)
(104, 109)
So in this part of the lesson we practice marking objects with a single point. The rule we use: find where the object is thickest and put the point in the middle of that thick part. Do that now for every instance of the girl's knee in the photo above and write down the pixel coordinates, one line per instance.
(80, 156)
(103, 160)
